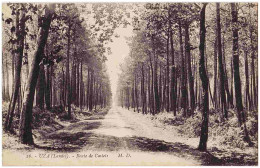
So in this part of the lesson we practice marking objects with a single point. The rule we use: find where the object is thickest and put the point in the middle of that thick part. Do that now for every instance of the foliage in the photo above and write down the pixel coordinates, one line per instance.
(227, 133)
(162, 67)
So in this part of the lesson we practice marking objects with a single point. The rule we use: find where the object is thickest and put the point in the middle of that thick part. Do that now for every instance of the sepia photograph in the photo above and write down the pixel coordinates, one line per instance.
(129, 84)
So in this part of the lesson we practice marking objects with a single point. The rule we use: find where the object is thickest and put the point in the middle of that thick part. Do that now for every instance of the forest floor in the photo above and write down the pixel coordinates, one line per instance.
(118, 137)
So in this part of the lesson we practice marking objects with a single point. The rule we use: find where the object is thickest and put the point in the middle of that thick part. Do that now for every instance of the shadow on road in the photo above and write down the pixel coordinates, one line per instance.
(73, 137)
(185, 151)
(82, 136)
(177, 149)
(72, 140)
(69, 139)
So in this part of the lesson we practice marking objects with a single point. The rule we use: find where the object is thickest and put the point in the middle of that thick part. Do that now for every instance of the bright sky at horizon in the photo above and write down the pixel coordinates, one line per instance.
(120, 50)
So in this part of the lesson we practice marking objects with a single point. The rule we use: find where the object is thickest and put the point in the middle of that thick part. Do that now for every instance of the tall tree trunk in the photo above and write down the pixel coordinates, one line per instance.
(51, 86)
(152, 87)
(164, 90)
(136, 94)
(232, 77)
(73, 82)
(68, 73)
(47, 81)
(220, 63)
(237, 81)
(63, 90)
(6, 94)
(183, 71)
(7, 82)
(248, 98)
(204, 80)
(20, 30)
(95, 93)
(128, 97)
(239, 104)
(47, 88)
(13, 65)
(160, 86)
(215, 95)
(254, 88)
(196, 81)
(19, 102)
(88, 88)
(81, 89)
(229, 100)
(133, 96)
(78, 84)
(40, 88)
(3, 81)
(26, 58)
(26, 115)
(173, 76)
(167, 71)
(191, 80)
(149, 90)
(91, 90)
(179, 97)
(156, 95)
(143, 90)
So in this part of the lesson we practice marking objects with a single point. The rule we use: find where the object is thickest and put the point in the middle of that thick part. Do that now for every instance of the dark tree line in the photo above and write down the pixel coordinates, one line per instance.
(67, 59)
(188, 56)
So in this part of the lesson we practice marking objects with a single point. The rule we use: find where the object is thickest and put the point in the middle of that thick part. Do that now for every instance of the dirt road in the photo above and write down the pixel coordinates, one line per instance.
(130, 138)
(121, 137)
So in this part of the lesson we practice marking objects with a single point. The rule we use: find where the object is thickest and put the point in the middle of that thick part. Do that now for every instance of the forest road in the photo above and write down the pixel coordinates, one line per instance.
(128, 138)
(123, 137)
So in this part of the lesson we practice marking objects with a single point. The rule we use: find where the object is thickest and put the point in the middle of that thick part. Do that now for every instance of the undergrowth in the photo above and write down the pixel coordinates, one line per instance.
(42, 118)
(223, 132)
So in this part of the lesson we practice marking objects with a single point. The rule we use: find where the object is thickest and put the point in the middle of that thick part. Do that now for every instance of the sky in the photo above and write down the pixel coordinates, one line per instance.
(120, 50)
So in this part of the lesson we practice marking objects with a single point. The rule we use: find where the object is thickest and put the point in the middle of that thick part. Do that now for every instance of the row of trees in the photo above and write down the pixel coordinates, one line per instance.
(66, 50)
(187, 55)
